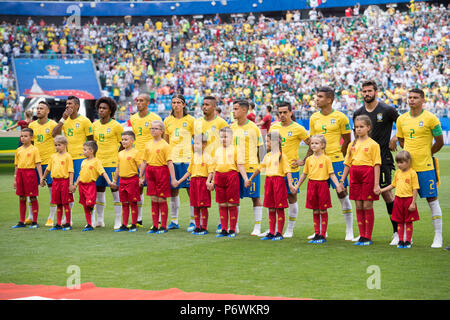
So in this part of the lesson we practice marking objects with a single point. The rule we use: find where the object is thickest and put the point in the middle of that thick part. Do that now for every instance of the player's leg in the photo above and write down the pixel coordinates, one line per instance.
(369, 220)
(257, 204)
(100, 203)
(292, 207)
(360, 219)
(174, 208)
(388, 197)
(344, 199)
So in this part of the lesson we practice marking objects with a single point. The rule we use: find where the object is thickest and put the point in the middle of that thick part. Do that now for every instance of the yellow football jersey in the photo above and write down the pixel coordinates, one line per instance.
(211, 130)
(363, 153)
(129, 162)
(272, 165)
(418, 134)
(108, 137)
(27, 158)
(247, 139)
(201, 165)
(90, 170)
(76, 131)
(318, 168)
(332, 126)
(291, 137)
(157, 153)
(60, 165)
(43, 139)
(405, 183)
(141, 128)
(226, 159)
(180, 132)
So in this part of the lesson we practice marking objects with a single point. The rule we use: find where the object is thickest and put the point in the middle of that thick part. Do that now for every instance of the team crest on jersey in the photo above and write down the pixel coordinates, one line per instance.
(379, 117)
(108, 130)
(421, 124)
(47, 130)
(333, 121)
(184, 124)
(77, 125)
(146, 124)
(245, 133)
(290, 134)
(213, 128)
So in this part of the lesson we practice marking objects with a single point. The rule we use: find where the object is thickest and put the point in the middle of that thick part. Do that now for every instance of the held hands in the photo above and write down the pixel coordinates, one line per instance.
(247, 183)
(297, 163)
(210, 186)
(412, 206)
(43, 183)
(175, 183)
(72, 188)
(293, 188)
(141, 181)
(340, 187)
(377, 190)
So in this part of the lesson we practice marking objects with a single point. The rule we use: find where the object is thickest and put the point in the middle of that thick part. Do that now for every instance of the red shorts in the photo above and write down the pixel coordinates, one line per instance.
(275, 193)
(158, 181)
(60, 191)
(199, 194)
(318, 195)
(362, 179)
(400, 212)
(88, 193)
(27, 184)
(129, 190)
(227, 187)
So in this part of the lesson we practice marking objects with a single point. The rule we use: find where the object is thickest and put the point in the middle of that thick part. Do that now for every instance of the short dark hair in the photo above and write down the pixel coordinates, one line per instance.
(44, 102)
(91, 144)
(29, 130)
(285, 104)
(329, 92)
(269, 108)
(110, 102)
(212, 98)
(418, 91)
(77, 101)
(242, 104)
(129, 133)
(369, 83)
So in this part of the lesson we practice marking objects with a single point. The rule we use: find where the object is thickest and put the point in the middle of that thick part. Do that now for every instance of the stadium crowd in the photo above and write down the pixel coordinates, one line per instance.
(255, 57)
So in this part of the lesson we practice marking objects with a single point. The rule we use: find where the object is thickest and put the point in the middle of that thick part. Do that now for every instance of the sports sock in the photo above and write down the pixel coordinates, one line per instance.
(293, 213)
(257, 213)
(409, 231)
(346, 206)
(68, 214)
(369, 219)
(117, 208)
(88, 214)
(233, 210)
(204, 216)
(164, 209)
(23, 210)
(361, 222)
(280, 220)
(323, 224)
(35, 208)
(174, 207)
(30, 210)
(192, 220)
(197, 217)
(316, 221)
(223, 212)
(125, 213)
(401, 231)
(390, 207)
(52, 209)
(436, 216)
(59, 214)
(134, 212)
(141, 207)
(272, 220)
(155, 213)
(100, 206)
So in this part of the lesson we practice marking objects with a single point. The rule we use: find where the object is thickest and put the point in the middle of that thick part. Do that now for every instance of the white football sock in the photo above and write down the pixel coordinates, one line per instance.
(52, 209)
(140, 207)
(192, 215)
(117, 208)
(174, 207)
(100, 207)
(293, 213)
(257, 213)
(347, 212)
(436, 216)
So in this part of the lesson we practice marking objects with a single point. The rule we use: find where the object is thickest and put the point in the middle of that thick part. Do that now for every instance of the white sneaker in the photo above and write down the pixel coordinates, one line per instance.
(395, 240)
(288, 234)
(263, 234)
(437, 242)
(100, 225)
(256, 230)
(348, 236)
(355, 239)
(117, 226)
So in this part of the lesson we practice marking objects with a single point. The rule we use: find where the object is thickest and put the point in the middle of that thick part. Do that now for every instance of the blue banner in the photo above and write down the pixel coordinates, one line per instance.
(57, 78)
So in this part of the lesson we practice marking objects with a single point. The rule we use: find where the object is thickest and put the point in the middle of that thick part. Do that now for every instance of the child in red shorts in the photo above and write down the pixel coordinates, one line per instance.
(276, 166)
(91, 169)
(26, 160)
(201, 171)
(61, 168)
(406, 184)
(318, 168)
(127, 174)
(158, 167)
(363, 162)
(226, 182)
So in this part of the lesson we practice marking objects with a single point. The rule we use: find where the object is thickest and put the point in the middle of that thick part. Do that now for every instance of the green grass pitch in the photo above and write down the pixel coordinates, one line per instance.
(244, 265)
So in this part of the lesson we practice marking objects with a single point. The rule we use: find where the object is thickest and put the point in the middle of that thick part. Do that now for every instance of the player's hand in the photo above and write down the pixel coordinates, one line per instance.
(247, 183)
(141, 182)
(42, 184)
(66, 114)
(297, 163)
(340, 188)
(175, 183)
(412, 206)
(393, 144)
(377, 190)
(210, 186)
(72, 188)
(293, 189)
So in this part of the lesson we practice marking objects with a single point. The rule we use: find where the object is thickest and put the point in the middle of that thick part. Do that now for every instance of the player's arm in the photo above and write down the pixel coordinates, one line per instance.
(116, 175)
(176, 183)
(376, 183)
(142, 168)
(413, 206)
(388, 188)
(15, 174)
(58, 128)
(241, 169)
(309, 152)
(438, 144)
(290, 183)
(335, 180)
(347, 138)
(344, 174)
(401, 142)
(171, 171)
(44, 177)
(393, 143)
(301, 180)
(248, 183)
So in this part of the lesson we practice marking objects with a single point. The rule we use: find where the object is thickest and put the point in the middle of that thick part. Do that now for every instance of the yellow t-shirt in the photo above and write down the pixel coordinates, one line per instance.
(291, 137)
(90, 170)
(141, 128)
(363, 153)
(108, 137)
(157, 153)
(180, 132)
(211, 129)
(405, 183)
(318, 168)
(201, 165)
(247, 139)
(128, 163)
(27, 158)
(418, 134)
(226, 159)
(272, 165)
(43, 139)
(76, 131)
(332, 126)
(60, 165)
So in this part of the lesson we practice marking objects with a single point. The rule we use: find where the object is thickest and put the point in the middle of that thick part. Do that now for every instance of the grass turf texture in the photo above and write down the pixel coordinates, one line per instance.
(244, 265)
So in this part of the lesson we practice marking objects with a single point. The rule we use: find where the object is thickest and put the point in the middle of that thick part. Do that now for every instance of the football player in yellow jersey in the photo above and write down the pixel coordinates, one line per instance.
(178, 133)
(108, 135)
(334, 126)
(292, 134)
(248, 140)
(77, 128)
(415, 131)
(210, 125)
(141, 122)
(43, 140)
